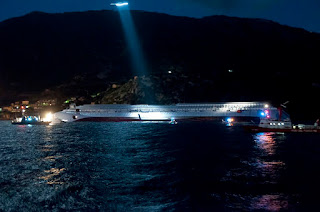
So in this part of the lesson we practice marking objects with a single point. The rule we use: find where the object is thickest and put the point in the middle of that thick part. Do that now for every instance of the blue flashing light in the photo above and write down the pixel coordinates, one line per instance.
(229, 119)
(229, 125)
(29, 119)
(262, 114)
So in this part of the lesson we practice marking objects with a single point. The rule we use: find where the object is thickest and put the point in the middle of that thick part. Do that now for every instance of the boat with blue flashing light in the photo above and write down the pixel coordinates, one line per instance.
(282, 124)
(33, 120)
(286, 126)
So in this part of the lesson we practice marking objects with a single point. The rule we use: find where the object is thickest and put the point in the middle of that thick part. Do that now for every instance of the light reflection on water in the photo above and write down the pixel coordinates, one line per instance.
(254, 182)
(266, 142)
(270, 203)
(50, 174)
(266, 146)
(148, 167)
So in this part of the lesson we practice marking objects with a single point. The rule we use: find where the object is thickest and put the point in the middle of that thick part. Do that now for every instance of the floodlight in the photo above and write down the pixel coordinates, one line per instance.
(120, 4)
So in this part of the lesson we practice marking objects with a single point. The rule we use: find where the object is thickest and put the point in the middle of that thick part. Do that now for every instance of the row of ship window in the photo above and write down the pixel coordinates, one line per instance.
(276, 124)
(165, 110)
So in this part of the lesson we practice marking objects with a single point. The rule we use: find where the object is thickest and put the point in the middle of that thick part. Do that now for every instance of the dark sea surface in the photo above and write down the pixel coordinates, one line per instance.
(195, 166)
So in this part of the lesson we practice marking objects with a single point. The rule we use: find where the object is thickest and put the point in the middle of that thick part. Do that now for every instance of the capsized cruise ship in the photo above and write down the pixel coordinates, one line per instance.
(185, 111)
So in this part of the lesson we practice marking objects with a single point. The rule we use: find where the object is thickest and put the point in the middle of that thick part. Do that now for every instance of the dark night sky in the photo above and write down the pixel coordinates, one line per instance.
(297, 13)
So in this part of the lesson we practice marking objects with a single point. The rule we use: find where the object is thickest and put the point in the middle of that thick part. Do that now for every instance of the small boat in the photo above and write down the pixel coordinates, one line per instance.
(173, 121)
(30, 120)
(267, 125)
(228, 122)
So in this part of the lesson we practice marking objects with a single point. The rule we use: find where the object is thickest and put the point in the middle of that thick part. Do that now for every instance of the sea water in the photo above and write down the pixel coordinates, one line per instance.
(191, 166)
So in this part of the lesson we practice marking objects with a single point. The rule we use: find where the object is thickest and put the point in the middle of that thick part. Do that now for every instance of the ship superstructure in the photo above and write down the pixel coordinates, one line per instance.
(121, 112)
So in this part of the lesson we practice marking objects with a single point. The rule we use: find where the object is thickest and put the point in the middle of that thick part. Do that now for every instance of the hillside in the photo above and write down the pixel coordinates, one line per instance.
(269, 61)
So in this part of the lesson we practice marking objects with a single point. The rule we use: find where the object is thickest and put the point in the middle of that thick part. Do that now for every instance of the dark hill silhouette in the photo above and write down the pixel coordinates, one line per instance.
(269, 61)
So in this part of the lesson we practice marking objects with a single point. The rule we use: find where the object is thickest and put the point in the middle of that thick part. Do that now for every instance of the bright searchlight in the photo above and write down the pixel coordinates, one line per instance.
(48, 117)
(120, 4)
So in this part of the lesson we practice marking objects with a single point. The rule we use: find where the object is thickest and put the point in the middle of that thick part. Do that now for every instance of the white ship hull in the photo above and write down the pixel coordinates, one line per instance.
(164, 112)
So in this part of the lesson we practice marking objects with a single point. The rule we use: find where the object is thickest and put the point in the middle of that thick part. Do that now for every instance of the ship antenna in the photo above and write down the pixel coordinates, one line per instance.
(283, 105)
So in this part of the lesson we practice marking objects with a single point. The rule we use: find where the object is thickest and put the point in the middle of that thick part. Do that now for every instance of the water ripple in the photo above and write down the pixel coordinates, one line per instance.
(155, 167)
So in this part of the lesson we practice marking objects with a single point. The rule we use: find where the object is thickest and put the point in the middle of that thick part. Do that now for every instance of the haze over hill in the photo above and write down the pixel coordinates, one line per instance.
(269, 61)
